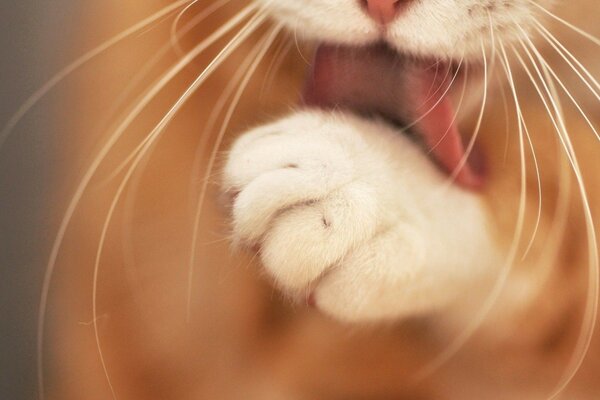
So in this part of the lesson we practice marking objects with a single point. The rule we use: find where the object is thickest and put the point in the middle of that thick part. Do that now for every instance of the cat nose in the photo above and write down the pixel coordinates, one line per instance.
(382, 11)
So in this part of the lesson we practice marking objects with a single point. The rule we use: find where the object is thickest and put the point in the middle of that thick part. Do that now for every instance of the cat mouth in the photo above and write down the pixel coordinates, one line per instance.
(413, 95)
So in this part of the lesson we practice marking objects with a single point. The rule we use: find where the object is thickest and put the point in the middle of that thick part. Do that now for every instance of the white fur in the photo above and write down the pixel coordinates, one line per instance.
(349, 209)
(427, 28)
(353, 211)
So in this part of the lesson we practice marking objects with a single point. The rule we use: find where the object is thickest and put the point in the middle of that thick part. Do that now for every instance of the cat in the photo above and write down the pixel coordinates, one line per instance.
(406, 268)
(351, 211)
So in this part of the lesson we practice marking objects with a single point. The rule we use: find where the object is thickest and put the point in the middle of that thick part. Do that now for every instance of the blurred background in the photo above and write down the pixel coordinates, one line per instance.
(36, 39)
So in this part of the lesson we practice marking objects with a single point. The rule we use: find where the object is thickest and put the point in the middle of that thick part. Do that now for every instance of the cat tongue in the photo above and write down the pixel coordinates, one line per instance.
(377, 81)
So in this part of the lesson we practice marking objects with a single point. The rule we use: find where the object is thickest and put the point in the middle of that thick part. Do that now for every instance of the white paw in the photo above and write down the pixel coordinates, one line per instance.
(346, 209)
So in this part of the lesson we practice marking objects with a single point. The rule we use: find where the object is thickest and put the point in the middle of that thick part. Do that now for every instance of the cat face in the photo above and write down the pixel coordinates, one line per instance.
(425, 28)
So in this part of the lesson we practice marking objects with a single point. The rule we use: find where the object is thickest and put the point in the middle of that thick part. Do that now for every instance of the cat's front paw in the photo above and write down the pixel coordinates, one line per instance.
(300, 194)
(352, 212)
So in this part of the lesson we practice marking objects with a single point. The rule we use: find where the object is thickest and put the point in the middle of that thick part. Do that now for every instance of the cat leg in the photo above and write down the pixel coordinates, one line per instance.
(353, 213)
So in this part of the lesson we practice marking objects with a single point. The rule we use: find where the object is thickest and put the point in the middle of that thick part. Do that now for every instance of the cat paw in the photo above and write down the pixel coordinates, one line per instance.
(300, 194)
(342, 209)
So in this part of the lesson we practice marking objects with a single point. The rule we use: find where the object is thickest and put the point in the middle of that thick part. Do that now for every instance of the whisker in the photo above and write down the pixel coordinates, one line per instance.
(280, 54)
(506, 120)
(430, 95)
(227, 50)
(491, 299)
(214, 115)
(173, 38)
(437, 103)
(559, 221)
(520, 222)
(163, 81)
(568, 93)
(554, 42)
(471, 144)
(91, 171)
(538, 177)
(176, 34)
(192, 261)
(458, 108)
(81, 61)
(496, 290)
(538, 217)
(437, 71)
(299, 49)
(566, 23)
(149, 65)
(127, 248)
(591, 309)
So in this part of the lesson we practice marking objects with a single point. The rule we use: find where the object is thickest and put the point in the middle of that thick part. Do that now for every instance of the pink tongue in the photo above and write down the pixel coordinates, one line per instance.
(375, 80)
(441, 135)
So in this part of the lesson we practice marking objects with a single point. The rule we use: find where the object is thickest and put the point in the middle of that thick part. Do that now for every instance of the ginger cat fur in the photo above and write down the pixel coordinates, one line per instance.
(239, 337)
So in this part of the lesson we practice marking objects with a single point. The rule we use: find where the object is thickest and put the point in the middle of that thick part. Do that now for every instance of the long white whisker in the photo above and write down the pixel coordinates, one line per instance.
(430, 95)
(468, 332)
(566, 55)
(569, 25)
(81, 61)
(538, 217)
(486, 71)
(506, 119)
(227, 50)
(471, 144)
(559, 222)
(177, 34)
(435, 76)
(568, 93)
(281, 52)
(127, 248)
(591, 309)
(78, 194)
(192, 261)
(458, 108)
(442, 97)
(173, 38)
(152, 62)
(539, 182)
(538, 177)
(214, 115)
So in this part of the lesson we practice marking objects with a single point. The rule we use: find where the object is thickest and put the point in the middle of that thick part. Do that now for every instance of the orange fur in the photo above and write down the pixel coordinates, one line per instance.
(243, 340)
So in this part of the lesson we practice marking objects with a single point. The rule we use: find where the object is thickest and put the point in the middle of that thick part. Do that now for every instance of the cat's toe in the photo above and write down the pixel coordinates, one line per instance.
(271, 194)
(378, 280)
(307, 240)
(301, 225)
(302, 197)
